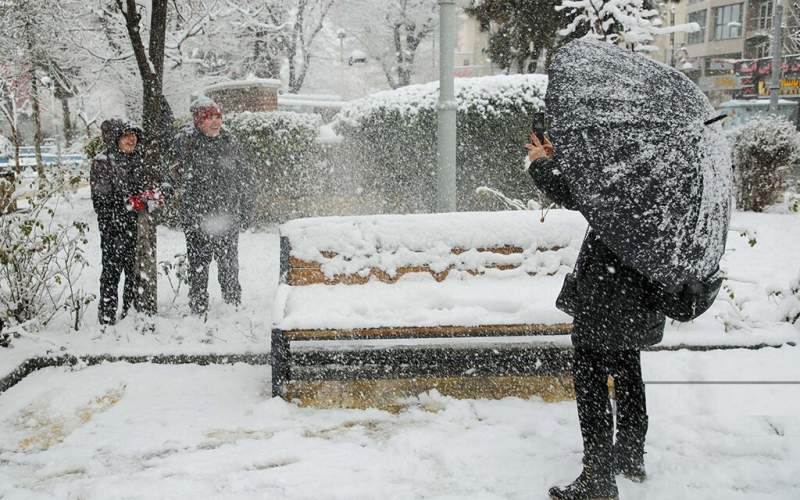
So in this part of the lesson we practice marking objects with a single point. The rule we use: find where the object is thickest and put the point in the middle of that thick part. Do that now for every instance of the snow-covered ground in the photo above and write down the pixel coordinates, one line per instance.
(151, 431)
(155, 431)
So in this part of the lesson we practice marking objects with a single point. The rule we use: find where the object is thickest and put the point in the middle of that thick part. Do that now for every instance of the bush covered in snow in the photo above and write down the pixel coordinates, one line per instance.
(283, 152)
(765, 150)
(42, 257)
(392, 135)
(788, 301)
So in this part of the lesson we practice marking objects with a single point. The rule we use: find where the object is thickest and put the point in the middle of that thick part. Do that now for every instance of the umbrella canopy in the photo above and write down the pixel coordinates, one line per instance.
(650, 177)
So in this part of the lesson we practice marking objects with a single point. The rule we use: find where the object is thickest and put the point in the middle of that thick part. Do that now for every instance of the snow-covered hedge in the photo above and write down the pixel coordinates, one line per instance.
(392, 135)
(765, 150)
(283, 151)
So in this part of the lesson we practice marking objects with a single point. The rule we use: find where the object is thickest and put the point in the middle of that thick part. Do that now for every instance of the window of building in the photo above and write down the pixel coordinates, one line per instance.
(728, 22)
(759, 47)
(698, 17)
(762, 50)
(763, 13)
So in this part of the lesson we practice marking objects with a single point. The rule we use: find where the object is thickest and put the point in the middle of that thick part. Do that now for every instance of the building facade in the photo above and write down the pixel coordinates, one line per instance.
(472, 45)
(732, 31)
(734, 35)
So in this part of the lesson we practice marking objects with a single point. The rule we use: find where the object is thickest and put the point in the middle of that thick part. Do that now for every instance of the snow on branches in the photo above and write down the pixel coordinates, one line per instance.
(628, 22)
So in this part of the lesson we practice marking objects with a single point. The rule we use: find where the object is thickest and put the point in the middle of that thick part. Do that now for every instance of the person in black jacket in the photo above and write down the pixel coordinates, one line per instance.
(615, 317)
(116, 175)
(216, 190)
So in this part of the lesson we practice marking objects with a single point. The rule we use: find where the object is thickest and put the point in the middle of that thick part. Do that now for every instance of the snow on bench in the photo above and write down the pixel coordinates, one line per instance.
(470, 274)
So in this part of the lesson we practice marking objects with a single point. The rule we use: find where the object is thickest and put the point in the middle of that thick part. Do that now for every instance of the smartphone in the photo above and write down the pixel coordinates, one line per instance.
(539, 126)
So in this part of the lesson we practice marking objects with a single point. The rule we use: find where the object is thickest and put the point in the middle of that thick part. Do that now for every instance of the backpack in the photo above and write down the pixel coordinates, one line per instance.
(690, 300)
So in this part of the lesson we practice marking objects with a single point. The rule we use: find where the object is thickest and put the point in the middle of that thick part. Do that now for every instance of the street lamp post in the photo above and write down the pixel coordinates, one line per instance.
(446, 158)
(777, 43)
(341, 35)
(672, 36)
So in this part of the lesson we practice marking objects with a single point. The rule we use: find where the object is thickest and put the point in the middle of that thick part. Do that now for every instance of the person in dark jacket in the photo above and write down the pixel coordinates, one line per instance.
(216, 190)
(116, 175)
(615, 317)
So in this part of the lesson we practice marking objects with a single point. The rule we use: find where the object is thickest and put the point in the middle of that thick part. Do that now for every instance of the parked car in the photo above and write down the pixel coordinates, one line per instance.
(50, 156)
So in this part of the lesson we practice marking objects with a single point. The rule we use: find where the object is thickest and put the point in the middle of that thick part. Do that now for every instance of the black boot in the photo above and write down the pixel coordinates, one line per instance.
(590, 485)
(106, 315)
(629, 463)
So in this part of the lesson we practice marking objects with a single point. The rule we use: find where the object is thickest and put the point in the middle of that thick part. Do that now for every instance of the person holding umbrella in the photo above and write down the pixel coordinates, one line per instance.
(633, 149)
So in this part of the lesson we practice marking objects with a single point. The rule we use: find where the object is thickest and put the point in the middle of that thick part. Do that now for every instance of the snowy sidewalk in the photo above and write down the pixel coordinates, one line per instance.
(148, 431)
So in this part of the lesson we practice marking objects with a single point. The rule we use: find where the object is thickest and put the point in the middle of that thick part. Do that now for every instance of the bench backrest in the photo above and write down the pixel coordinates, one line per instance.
(357, 250)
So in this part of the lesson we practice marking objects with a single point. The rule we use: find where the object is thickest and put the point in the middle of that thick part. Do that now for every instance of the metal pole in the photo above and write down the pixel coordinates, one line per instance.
(777, 45)
(446, 171)
(672, 36)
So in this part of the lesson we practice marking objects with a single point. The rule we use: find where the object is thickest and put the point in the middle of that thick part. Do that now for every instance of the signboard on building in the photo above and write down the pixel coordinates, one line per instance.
(719, 83)
(755, 76)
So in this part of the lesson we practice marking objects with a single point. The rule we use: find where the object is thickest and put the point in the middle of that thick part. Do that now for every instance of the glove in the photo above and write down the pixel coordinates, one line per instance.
(150, 200)
(135, 203)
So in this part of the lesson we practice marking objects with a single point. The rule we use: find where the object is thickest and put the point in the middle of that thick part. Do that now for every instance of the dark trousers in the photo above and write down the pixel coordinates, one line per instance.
(591, 371)
(118, 248)
(201, 247)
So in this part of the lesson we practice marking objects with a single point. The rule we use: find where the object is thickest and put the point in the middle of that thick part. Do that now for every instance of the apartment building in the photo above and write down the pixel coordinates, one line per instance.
(735, 35)
(730, 57)
(471, 47)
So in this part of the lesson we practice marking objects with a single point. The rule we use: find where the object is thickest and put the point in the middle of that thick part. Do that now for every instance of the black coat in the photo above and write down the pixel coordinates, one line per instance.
(616, 305)
(114, 176)
(215, 184)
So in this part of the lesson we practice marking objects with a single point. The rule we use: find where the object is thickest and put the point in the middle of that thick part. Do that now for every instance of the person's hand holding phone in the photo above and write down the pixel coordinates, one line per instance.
(537, 149)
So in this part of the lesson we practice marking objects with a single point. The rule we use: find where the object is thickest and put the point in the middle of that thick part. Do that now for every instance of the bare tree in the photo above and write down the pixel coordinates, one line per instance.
(391, 33)
(281, 30)
(309, 16)
(150, 62)
(13, 98)
(27, 30)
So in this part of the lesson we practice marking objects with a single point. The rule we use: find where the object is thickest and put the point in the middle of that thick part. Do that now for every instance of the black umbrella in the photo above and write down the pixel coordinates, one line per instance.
(648, 174)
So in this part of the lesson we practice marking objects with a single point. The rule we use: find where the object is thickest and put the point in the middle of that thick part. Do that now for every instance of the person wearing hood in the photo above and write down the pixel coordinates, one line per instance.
(615, 316)
(116, 175)
(215, 186)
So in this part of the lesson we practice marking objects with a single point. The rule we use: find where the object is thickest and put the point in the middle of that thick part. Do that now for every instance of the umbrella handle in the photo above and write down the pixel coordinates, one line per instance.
(715, 119)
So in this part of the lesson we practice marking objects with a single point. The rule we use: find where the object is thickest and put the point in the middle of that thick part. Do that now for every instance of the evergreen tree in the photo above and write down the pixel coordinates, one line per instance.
(632, 23)
(520, 30)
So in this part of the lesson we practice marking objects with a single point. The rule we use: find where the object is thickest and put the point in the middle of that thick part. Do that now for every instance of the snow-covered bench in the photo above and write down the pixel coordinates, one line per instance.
(391, 278)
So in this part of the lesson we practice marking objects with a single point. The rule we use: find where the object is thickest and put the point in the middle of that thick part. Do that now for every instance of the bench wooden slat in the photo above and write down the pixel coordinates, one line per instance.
(315, 275)
(430, 332)
(388, 394)
(305, 272)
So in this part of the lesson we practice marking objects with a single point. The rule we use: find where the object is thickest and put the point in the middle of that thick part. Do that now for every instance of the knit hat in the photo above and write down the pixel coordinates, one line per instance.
(203, 107)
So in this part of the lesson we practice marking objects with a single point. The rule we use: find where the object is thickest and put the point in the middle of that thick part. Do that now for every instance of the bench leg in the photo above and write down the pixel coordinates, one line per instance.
(281, 359)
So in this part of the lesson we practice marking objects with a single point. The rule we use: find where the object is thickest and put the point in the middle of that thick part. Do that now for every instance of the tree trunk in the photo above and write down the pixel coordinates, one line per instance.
(37, 123)
(151, 120)
(291, 52)
(15, 140)
(151, 69)
(9, 184)
(67, 121)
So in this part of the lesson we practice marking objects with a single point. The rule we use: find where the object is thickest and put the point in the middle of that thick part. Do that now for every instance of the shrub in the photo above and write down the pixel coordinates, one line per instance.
(788, 301)
(93, 146)
(765, 150)
(391, 136)
(283, 152)
(42, 257)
